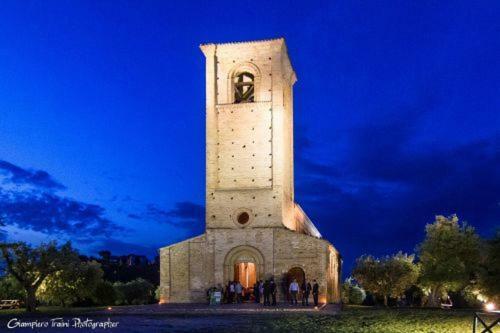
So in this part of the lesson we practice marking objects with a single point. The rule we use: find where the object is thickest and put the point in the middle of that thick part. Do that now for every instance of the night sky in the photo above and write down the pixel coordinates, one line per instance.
(102, 117)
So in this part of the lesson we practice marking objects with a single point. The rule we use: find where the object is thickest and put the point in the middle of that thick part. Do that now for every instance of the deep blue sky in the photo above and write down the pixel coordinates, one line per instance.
(102, 137)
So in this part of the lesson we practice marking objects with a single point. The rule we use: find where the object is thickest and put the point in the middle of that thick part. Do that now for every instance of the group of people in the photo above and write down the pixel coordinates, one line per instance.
(305, 290)
(235, 292)
(265, 292)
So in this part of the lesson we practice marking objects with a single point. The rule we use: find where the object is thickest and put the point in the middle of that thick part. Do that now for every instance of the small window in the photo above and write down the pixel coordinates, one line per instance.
(244, 88)
(243, 218)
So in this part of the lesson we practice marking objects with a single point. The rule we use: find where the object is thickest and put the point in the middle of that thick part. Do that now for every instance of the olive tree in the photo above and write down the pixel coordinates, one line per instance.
(388, 276)
(31, 265)
(449, 257)
(76, 282)
(489, 276)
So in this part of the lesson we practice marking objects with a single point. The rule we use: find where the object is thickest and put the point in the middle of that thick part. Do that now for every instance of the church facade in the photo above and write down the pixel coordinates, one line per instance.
(254, 229)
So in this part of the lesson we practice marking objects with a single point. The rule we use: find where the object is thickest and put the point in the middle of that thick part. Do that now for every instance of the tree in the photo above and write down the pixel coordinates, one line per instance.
(30, 266)
(352, 293)
(449, 257)
(10, 288)
(74, 283)
(387, 277)
(138, 291)
(489, 276)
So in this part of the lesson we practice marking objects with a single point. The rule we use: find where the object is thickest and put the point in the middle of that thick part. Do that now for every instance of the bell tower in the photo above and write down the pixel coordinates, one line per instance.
(249, 135)
(254, 229)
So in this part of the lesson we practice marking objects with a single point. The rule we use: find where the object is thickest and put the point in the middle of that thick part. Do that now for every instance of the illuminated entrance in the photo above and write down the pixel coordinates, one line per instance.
(244, 264)
(245, 273)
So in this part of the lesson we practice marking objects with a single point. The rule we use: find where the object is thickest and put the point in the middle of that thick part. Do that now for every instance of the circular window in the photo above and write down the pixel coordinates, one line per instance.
(243, 218)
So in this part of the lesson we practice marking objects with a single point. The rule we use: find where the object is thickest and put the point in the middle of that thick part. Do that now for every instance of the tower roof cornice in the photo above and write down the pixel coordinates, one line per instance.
(258, 41)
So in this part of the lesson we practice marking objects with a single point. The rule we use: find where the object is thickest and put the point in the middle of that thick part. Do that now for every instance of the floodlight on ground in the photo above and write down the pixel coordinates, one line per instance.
(490, 307)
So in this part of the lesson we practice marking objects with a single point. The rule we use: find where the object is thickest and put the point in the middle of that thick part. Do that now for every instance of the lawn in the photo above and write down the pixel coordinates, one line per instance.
(376, 320)
(51, 311)
(350, 320)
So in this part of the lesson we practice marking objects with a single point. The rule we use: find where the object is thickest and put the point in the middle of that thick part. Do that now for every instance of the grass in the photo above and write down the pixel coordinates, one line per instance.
(51, 310)
(350, 320)
(376, 320)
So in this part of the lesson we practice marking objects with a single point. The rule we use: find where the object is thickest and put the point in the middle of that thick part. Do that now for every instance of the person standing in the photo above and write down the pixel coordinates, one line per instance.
(305, 288)
(294, 290)
(267, 290)
(231, 292)
(315, 290)
(272, 290)
(256, 292)
(261, 289)
(239, 292)
(284, 287)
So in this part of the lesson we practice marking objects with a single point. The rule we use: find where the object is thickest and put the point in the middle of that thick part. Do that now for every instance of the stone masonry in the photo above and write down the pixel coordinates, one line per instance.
(251, 216)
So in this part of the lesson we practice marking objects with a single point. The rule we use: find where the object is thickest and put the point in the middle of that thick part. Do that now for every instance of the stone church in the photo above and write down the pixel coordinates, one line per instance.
(254, 228)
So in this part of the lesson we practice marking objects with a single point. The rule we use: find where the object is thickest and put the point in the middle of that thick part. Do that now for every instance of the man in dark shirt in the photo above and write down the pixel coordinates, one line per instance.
(256, 292)
(315, 290)
(267, 292)
(272, 289)
(305, 288)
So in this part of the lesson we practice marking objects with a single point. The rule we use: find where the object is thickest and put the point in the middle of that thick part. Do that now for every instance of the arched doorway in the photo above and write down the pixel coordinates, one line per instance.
(293, 273)
(244, 264)
(296, 273)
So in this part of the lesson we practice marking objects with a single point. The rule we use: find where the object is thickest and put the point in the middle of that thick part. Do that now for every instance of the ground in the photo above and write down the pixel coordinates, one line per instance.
(250, 318)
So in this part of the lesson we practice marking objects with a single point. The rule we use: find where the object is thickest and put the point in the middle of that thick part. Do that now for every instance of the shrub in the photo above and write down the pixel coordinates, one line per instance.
(104, 294)
(357, 295)
(138, 291)
(10, 288)
(352, 293)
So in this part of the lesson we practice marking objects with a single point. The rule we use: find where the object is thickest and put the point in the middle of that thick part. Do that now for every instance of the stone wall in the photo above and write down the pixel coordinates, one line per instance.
(189, 268)
(182, 268)
(249, 146)
(249, 168)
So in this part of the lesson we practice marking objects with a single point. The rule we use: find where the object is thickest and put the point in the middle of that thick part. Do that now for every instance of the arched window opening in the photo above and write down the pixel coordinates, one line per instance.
(244, 88)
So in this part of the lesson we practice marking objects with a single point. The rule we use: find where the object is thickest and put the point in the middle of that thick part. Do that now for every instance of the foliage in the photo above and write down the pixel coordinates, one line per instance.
(352, 293)
(104, 293)
(468, 297)
(414, 296)
(74, 283)
(30, 266)
(116, 270)
(138, 291)
(449, 257)
(386, 277)
(375, 320)
(10, 288)
(158, 293)
(489, 277)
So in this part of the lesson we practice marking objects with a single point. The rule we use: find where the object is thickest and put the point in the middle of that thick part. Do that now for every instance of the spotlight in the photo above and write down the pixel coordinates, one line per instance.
(489, 307)
(109, 308)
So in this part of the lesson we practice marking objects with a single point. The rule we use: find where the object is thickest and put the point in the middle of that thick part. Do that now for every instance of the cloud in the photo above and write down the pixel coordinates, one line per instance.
(37, 178)
(185, 214)
(184, 210)
(50, 213)
(38, 208)
(118, 247)
(378, 197)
